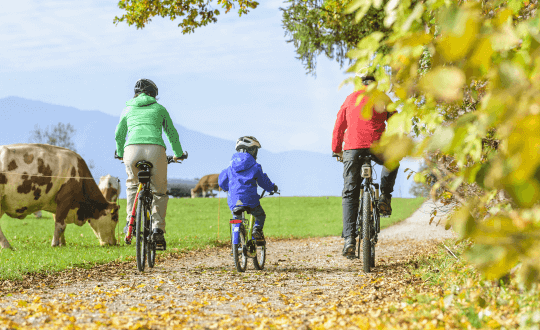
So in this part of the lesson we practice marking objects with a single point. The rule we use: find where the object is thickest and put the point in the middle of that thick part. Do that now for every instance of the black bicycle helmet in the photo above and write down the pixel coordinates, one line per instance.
(147, 87)
(368, 79)
(248, 144)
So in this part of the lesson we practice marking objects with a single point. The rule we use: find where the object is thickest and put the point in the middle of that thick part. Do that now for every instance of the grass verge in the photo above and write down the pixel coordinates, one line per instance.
(191, 224)
(452, 294)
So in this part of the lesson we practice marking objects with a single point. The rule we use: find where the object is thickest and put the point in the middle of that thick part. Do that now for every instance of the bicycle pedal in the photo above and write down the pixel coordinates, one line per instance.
(161, 247)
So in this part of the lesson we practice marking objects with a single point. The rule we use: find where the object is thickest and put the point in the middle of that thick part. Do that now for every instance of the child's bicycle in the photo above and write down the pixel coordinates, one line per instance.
(243, 245)
(140, 215)
(368, 222)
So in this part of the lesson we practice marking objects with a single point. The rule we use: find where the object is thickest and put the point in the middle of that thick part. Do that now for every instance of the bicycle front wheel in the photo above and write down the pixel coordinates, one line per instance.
(366, 230)
(140, 234)
(240, 258)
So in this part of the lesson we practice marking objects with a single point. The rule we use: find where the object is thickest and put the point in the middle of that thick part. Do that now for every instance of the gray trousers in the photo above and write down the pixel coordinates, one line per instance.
(158, 179)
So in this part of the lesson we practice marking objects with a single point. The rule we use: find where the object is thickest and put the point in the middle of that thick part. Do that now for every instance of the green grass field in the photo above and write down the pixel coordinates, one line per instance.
(191, 224)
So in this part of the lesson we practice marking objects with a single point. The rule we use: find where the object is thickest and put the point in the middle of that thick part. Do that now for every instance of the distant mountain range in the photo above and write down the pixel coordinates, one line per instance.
(297, 173)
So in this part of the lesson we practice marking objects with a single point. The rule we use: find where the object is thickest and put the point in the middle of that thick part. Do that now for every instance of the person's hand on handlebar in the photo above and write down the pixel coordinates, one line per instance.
(116, 156)
(275, 188)
(183, 157)
(339, 156)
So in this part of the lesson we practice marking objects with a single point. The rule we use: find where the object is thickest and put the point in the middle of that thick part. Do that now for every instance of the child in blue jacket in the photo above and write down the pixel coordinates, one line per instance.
(240, 180)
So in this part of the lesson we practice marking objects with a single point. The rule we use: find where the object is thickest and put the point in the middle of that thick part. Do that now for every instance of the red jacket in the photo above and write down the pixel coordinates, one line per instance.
(359, 133)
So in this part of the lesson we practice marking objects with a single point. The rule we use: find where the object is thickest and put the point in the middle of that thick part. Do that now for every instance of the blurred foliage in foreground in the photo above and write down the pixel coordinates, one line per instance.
(467, 74)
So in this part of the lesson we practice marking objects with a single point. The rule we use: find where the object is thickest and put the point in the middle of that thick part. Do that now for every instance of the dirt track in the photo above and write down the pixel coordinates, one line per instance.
(306, 284)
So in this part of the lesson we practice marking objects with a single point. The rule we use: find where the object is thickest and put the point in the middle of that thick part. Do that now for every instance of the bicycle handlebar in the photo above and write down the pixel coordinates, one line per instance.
(270, 193)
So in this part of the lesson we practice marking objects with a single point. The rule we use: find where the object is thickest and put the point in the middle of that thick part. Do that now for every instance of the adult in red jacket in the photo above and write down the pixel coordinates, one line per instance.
(358, 135)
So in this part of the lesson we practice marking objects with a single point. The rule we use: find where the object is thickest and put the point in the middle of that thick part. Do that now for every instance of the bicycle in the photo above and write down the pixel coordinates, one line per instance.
(243, 246)
(368, 222)
(140, 215)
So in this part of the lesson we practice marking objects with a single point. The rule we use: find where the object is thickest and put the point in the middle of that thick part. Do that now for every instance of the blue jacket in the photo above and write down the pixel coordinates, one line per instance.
(240, 179)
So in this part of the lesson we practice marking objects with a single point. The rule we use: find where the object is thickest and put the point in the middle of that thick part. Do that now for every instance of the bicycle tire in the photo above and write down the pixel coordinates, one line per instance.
(151, 245)
(258, 261)
(140, 235)
(240, 258)
(366, 229)
(359, 247)
(375, 214)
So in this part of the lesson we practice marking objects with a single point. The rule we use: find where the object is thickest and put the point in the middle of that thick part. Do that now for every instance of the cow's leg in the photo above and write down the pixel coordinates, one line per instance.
(4, 244)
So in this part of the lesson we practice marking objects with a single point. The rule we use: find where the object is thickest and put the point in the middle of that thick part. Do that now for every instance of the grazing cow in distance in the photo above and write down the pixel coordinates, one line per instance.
(205, 186)
(110, 187)
(36, 177)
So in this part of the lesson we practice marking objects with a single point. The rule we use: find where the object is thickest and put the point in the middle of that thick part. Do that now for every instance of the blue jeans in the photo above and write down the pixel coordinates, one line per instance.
(353, 182)
(258, 214)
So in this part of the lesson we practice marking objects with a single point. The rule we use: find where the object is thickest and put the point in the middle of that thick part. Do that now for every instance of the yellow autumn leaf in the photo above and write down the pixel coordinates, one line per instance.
(459, 35)
(481, 55)
(444, 83)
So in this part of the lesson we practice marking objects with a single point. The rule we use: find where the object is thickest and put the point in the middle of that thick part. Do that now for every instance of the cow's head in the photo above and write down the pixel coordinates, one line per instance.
(193, 195)
(105, 224)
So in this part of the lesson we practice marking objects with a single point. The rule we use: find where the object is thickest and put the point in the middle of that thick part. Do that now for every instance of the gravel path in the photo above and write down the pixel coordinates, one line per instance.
(304, 283)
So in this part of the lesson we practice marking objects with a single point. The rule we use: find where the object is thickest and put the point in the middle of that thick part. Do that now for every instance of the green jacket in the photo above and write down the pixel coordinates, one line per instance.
(142, 120)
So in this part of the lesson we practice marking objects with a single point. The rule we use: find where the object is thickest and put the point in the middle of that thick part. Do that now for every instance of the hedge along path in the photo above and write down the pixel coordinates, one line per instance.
(306, 283)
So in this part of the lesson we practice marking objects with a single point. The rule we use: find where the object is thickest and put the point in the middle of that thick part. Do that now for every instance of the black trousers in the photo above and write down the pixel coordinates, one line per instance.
(259, 215)
(352, 184)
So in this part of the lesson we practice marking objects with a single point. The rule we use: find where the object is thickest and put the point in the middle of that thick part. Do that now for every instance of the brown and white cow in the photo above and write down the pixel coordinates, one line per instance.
(37, 177)
(110, 187)
(205, 186)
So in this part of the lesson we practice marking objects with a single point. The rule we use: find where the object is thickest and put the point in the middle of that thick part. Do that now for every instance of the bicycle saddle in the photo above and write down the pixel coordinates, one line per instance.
(243, 208)
(144, 163)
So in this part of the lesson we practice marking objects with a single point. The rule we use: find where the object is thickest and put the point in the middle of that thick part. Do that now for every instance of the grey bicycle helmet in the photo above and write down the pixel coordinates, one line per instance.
(147, 87)
(248, 144)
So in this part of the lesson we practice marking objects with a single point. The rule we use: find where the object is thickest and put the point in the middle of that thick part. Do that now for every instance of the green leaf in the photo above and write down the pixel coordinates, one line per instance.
(354, 5)
(414, 16)
(441, 138)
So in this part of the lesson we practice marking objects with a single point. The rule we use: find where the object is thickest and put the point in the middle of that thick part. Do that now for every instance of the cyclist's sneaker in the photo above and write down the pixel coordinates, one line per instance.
(159, 239)
(385, 205)
(349, 247)
(258, 235)
(126, 227)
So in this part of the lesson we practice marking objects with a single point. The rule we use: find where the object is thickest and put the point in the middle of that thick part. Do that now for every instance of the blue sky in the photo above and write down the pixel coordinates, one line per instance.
(236, 77)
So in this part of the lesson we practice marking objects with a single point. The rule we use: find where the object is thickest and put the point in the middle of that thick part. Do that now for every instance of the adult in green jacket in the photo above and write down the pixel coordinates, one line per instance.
(143, 120)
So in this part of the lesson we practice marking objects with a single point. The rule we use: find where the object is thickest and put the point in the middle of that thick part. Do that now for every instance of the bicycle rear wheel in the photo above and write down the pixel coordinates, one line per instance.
(141, 234)
(366, 229)
(240, 258)
(151, 245)
(374, 228)
(260, 258)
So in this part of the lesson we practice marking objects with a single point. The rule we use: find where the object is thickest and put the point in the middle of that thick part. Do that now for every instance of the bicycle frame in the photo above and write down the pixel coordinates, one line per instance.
(248, 227)
(129, 235)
